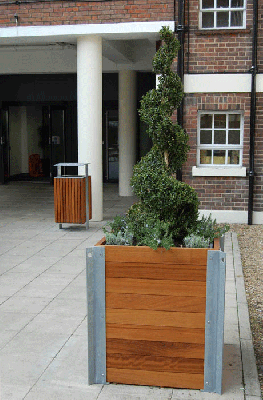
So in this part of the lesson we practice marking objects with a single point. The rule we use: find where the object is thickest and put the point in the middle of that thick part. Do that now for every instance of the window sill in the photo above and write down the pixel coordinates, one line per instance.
(219, 171)
(218, 31)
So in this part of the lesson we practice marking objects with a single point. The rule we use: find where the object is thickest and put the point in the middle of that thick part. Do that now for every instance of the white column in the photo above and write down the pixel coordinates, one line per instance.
(127, 130)
(89, 97)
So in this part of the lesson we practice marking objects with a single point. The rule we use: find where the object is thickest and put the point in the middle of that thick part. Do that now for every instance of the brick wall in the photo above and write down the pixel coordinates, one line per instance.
(83, 12)
(220, 193)
(217, 51)
(258, 188)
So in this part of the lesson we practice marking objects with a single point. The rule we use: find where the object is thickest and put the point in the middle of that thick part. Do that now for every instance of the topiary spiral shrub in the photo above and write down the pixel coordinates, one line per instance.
(168, 209)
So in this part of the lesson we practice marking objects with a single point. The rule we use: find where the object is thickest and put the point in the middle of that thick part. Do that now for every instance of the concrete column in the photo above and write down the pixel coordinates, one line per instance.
(127, 130)
(89, 97)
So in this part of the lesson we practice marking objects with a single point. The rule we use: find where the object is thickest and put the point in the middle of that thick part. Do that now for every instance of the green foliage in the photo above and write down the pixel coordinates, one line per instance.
(164, 197)
(158, 105)
(118, 232)
(168, 209)
(148, 229)
(209, 229)
(196, 241)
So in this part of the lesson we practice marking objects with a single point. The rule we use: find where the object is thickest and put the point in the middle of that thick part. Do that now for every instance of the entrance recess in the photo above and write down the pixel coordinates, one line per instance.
(4, 146)
(57, 138)
(111, 147)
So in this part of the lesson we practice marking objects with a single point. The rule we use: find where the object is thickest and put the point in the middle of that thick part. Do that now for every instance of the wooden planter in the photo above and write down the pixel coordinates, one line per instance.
(156, 317)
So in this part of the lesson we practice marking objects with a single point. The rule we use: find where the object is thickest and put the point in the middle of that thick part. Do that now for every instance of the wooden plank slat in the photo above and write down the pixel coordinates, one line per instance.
(90, 198)
(157, 287)
(151, 302)
(155, 348)
(155, 318)
(155, 333)
(83, 201)
(154, 363)
(151, 378)
(156, 271)
(144, 254)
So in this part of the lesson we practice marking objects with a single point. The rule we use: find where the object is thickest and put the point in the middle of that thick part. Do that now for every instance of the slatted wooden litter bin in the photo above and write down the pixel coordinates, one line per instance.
(72, 196)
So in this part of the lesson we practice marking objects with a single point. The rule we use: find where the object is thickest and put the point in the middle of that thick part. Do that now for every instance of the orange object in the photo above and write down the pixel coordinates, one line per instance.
(35, 166)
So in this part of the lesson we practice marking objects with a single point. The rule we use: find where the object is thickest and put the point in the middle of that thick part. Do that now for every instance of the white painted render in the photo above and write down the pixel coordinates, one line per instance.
(218, 83)
(233, 216)
(89, 98)
(65, 33)
(219, 171)
(127, 130)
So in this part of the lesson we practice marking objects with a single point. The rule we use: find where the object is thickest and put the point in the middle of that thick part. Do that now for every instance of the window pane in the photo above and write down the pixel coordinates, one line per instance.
(208, 4)
(220, 137)
(219, 156)
(233, 157)
(220, 121)
(206, 121)
(206, 137)
(234, 121)
(222, 19)
(233, 137)
(205, 156)
(236, 18)
(222, 4)
(237, 3)
(207, 20)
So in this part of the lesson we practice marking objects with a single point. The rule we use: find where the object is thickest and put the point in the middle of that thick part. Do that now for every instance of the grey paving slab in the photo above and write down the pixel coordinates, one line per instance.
(119, 392)
(70, 365)
(43, 324)
(63, 392)
(55, 323)
(14, 321)
(25, 305)
(13, 392)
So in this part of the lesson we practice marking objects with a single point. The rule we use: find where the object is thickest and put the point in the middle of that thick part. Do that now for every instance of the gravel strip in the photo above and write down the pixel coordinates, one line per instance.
(250, 239)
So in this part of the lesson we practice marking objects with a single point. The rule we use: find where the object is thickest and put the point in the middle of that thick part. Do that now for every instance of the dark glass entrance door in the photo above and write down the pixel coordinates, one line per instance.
(4, 146)
(57, 138)
(111, 147)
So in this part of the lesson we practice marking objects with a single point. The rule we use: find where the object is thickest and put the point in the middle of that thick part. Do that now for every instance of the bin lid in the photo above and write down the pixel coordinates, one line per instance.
(71, 164)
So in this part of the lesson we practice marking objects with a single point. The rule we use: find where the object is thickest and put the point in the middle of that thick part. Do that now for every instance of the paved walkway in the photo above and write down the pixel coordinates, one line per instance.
(43, 346)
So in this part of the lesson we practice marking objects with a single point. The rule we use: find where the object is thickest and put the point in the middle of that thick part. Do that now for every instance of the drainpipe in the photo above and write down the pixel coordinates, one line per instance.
(253, 71)
(180, 30)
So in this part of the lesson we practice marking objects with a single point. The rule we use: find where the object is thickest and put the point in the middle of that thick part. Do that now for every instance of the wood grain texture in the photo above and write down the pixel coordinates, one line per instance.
(156, 271)
(152, 378)
(155, 287)
(70, 200)
(155, 363)
(156, 348)
(144, 254)
(155, 333)
(155, 318)
(153, 302)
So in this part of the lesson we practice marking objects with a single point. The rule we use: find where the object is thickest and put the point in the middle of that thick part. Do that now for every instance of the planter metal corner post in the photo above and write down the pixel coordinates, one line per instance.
(214, 317)
(214, 328)
(96, 315)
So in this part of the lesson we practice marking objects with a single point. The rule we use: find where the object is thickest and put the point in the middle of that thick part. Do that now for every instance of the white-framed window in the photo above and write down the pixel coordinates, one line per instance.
(220, 139)
(222, 14)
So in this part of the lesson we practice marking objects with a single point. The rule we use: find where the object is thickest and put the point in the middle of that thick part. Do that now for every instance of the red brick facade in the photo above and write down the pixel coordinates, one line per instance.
(220, 193)
(206, 51)
(85, 12)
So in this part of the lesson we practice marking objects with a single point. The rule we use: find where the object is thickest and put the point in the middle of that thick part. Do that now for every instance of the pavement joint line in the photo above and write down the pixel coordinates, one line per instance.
(53, 358)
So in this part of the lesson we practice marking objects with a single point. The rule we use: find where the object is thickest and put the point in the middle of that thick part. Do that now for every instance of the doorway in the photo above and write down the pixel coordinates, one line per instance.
(47, 132)
(110, 146)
